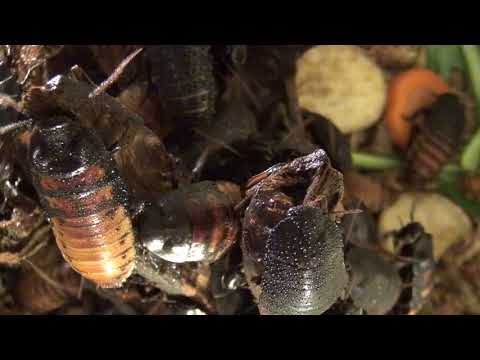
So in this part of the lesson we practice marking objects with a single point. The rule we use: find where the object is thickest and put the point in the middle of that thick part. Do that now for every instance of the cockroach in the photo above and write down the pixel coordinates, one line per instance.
(436, 140)
(194, 223)
(375, 283)
(140, 155)
(183, 76)
(293, 255)
(412, 242)
(85, 198)
(304, 266)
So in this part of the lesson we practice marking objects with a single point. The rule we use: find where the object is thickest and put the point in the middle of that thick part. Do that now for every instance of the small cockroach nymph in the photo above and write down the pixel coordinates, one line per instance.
(183, 75)
(436, 140)
(195, 223)
(414, 243)
(85, 199)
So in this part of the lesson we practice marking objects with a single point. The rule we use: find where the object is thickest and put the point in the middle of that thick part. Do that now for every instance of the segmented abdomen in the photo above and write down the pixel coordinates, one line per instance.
(195, 223)
(427, 155)
(92, 228)
(437, 140)
(184, 77)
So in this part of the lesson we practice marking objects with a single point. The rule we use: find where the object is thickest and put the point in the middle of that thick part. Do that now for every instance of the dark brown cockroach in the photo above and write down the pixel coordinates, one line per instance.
(183, 76)
(46, 282)
(304, 265)
(375, 283)
(194, 223)
(293, 255)
(412, 242)
(141, 156)
(78, 185)
(436, 140)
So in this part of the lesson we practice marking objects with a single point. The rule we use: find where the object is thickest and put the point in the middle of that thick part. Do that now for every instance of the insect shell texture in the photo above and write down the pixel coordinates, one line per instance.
(196, 223)
(436, 140)
(185, 79)
(85, 200)
(304, 265)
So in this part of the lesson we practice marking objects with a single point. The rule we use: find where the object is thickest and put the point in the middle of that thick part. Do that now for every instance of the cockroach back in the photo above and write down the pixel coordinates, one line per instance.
(85, 199)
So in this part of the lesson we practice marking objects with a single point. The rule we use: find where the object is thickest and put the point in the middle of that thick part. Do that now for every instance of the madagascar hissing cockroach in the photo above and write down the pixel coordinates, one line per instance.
(194, 223)
(412, 242)
(304, 265)
(436, 140)
(85, 198)
(141, 157)
(183, 76)
(293, 255)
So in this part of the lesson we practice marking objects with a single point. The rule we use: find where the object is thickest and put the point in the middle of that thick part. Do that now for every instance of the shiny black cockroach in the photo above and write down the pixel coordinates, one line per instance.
(85, 199)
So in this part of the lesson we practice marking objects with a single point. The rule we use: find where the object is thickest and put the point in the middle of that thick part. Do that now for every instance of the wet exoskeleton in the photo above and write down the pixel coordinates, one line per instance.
(292, 247)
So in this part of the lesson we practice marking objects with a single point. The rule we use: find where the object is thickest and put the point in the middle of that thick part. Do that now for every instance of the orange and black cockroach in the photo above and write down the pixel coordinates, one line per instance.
(183, 76)
(141, 157)
(194, 223)
(413, 243)
(85, 199)
(436, 139)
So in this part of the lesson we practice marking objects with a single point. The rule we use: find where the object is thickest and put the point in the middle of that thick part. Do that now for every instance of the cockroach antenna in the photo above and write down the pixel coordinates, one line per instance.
(115, 75)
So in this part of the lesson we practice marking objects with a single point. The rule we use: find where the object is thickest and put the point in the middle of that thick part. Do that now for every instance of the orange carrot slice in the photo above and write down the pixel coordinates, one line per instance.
(410, 92)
